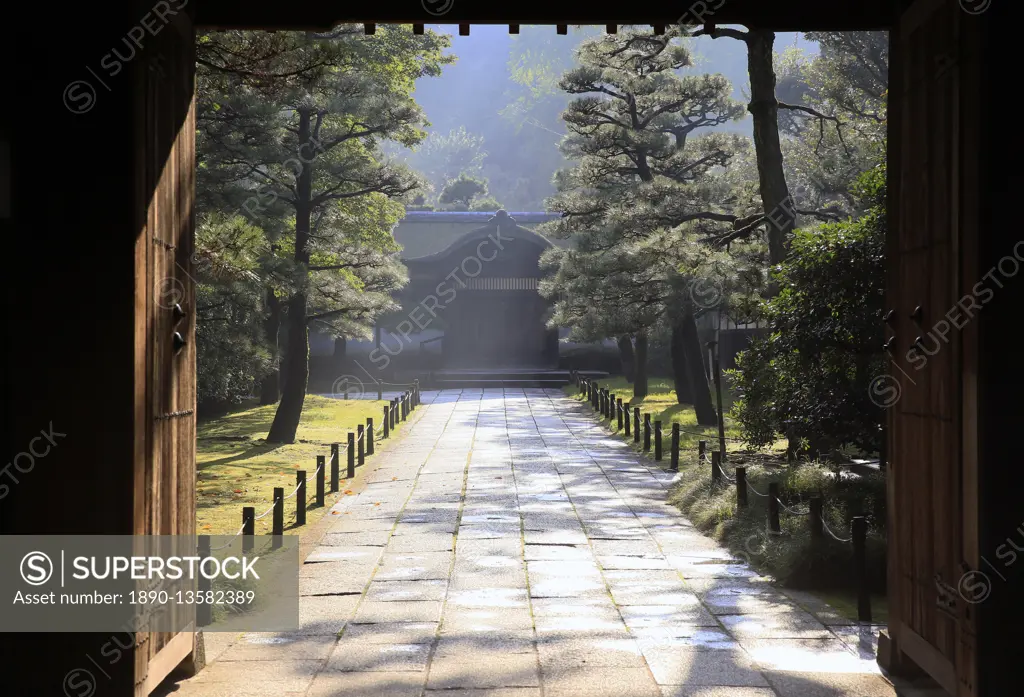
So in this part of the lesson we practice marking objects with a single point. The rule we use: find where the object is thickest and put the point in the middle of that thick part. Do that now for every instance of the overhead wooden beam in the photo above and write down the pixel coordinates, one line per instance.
(513, 29)
(463, 30)
(370, 29)
(610, 29)
(562, 28)
(775, 15)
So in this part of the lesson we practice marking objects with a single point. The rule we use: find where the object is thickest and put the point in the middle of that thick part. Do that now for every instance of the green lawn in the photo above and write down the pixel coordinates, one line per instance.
(237, 468)
(661, 403)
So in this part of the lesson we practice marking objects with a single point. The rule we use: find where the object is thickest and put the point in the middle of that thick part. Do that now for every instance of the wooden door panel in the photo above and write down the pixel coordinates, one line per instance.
(165, 305)
(926, 525)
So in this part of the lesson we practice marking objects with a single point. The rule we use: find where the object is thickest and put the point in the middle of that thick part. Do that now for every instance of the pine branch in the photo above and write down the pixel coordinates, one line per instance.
(822, 118)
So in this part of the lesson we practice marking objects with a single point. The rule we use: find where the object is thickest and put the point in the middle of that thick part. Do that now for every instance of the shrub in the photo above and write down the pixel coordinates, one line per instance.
(810, 378)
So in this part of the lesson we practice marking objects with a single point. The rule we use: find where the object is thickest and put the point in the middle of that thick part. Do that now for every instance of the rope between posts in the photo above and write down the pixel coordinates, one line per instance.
(835, 536)
(755, 491)
(264, 513)
(214, 549)
(789, 510)
(296, 489)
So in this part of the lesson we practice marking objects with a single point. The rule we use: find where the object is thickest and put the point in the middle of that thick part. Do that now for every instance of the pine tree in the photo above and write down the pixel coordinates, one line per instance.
(647, 190)
(292, 129)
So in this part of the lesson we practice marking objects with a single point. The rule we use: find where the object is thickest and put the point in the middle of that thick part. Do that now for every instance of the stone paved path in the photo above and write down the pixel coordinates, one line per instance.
(508, 547)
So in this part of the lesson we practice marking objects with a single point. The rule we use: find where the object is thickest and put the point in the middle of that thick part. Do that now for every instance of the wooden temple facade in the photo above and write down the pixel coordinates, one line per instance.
(99, 309)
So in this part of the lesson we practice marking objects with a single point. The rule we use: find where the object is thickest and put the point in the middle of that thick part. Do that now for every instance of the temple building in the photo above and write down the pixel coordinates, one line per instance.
(472, 301)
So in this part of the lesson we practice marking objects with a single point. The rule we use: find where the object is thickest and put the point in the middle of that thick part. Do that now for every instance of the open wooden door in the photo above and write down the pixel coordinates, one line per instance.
(932, 249)
(165, 352)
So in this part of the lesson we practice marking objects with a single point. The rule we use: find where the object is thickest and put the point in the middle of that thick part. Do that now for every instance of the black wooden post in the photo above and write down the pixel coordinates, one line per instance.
(369, 435)
(718, 392)
(248, 528)
(300, 497)
(405, 406)
(647, 433)
(675, 447)
(702, 451)
(741, 487)
(773, 507)
(360, 438)
(351, 455)
(611, 406)
(416, 382)
(859, 534)
(335, 466)
(278, 523)
(636, 424)
(657, 440)
(387, 431)
(380, 390)
(607, 404)
(321, 466)
(204, 611)
(594, 396)
(393, 414)
(626, 418)
(345, 383)
(716, 467)
(618, 412)
(817, 529)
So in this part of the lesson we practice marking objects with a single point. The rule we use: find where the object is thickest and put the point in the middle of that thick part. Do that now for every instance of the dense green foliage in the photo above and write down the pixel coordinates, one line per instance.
(233, 354)
(466, 193)
(291, 128)
(810, 378)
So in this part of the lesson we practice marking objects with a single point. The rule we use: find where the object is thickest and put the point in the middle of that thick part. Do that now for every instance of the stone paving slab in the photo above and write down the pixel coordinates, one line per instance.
(505, 545)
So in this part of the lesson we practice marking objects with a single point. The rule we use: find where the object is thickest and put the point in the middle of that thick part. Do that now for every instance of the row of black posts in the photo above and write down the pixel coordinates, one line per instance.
(612, 408)
(360, 445)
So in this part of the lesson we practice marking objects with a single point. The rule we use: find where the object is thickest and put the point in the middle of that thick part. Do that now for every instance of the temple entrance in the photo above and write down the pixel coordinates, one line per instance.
(496, 329)
(486, 282)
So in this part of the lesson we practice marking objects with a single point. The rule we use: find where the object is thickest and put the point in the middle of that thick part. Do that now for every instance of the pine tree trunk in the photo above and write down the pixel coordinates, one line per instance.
(640, 370)
(270, 387)
(296, 360)
(699, 387)
(680, 377)
(764, 108)
(296, 374)
(626, 357)
(340, 351)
